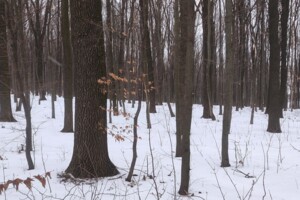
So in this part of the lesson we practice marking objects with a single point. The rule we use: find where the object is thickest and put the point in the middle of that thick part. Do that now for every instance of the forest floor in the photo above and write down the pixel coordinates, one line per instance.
(263, 165)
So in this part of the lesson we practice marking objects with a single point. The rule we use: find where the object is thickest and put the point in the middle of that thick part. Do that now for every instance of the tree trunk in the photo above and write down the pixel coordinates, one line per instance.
(148, 63)
(90, 153)
(274, 107)
(135, 135)
(178, 79)
(228, 87)
(208, 60)
(5, 101)
(109, 58)
(283, 48)
(187, 40)
(67, 68)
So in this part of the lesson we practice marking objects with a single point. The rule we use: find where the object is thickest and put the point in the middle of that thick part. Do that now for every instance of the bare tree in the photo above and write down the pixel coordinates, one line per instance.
(67, 67)
(187, 40)
(90, 154)
(274, 107)
(228, 90)
(208, 59)
(38, 28)
(5, 101)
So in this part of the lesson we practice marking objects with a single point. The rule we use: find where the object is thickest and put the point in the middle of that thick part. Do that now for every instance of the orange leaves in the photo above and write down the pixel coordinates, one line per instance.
(27, 182)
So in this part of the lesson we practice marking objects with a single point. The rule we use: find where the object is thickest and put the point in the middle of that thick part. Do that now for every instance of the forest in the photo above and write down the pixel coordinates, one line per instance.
(149, 99)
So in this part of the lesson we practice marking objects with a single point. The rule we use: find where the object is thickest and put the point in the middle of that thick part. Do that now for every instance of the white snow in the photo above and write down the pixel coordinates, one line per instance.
(263, 165)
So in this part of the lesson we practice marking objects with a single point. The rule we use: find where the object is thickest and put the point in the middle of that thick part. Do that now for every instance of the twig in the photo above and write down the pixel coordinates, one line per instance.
(232, 183)
(246, 175)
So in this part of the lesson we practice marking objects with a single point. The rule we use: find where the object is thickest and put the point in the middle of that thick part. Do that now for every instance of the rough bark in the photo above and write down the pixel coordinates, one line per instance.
(90, 153)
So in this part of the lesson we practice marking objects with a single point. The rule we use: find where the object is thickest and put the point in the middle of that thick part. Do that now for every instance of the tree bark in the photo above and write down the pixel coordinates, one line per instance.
(90, 153)
(283, 48)
(274, 107)
(187, 41)
(67, 67)
(148, 63)
(5, 100)
(208, 60)
(228, 88)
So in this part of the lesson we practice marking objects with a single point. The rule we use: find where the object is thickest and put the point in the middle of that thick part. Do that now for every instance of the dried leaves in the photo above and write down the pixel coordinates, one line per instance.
(27, 182)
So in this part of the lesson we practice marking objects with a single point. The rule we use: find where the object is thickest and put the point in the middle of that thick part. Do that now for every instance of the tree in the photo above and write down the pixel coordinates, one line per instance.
(19, 81)
(274, 107)
(67, 67)
(109, 58)
(228, 90)
(5, 101)
(208, 59)
(179, 90)
(39, 31)
(147, 55)
(187, 40)
(283, 49)
(90, 153)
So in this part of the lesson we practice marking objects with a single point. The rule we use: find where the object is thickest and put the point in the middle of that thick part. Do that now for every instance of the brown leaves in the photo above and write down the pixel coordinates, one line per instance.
(119, 138)
(27, 182)
(16, 183)
(48, 175)
(41, 179)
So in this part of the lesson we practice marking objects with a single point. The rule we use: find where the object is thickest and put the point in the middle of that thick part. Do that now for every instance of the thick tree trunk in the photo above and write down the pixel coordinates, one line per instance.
(90, 154)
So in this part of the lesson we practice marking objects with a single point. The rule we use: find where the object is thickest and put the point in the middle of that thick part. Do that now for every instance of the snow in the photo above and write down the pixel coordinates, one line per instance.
(263, 165)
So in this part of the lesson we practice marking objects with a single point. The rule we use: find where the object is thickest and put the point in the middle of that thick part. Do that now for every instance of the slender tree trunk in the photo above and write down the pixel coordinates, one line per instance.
(228, 90)
(109, 57)
(67, 68)
(178, 80)
(149, 69)
(5, 100)
(274, 107)
(208, 60)
(221, 60)
(187, 40)
(135, 135)
(283, 48)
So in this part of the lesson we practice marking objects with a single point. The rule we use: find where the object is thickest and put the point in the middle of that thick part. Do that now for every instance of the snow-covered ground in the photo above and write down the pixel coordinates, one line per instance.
(263, 165)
